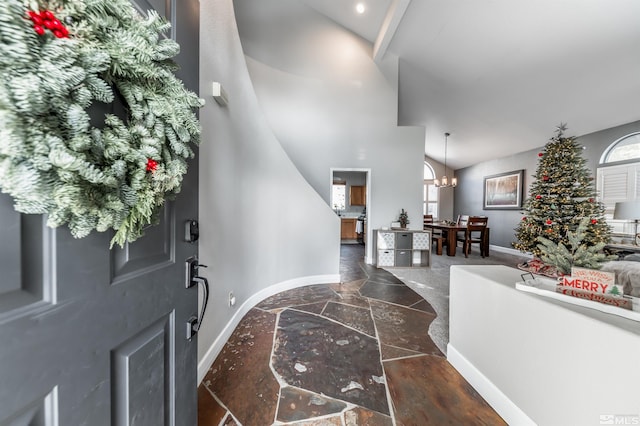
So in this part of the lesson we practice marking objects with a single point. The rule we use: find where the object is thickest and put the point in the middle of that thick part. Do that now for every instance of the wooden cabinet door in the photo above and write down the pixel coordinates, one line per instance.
(357, 195)
(348, 229)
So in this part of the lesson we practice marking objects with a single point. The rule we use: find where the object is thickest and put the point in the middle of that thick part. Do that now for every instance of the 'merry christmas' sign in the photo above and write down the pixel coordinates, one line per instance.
(591, 280)
(595, 285)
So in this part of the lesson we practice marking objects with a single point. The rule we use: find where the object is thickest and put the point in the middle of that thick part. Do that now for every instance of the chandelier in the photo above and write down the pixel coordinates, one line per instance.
(444, 182)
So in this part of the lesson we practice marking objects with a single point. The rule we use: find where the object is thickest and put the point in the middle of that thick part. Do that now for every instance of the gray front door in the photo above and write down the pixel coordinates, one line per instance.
(92, 336)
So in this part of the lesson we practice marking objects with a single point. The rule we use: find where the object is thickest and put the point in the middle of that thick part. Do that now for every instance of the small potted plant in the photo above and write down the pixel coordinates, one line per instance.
(403, 218)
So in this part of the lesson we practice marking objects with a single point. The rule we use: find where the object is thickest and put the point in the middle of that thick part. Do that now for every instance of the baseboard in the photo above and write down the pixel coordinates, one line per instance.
(218, 344)
(509, 250)
(490, 392)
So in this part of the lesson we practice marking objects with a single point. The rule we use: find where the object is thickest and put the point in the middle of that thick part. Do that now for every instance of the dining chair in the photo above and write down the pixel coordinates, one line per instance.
(437, 235)
(461, 221)
(474, 234)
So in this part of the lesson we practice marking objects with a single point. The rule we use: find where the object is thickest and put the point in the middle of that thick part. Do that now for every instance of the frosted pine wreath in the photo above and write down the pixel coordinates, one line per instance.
(57, 60)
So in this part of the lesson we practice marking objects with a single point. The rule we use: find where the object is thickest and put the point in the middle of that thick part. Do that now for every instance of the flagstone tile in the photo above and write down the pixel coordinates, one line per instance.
(314, 308)
(348, 286)
(427, 390)
(209, 411)
(298, 296)
(229, 421)
(359, 416)
(403, 327)
(324, 421)
(354, 300)
(324, 357)
(398, 294)
(297, 404)
(424, 306)
(358, 318)
(240, 376)
(391, 352)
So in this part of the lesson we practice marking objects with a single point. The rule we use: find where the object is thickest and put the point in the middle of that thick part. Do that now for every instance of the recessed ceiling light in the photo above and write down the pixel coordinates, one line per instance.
(360, 8)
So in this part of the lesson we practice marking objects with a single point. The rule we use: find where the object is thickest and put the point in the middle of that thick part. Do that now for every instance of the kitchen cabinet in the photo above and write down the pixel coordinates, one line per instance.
(358, 195)
(348, 229)
(408, 248)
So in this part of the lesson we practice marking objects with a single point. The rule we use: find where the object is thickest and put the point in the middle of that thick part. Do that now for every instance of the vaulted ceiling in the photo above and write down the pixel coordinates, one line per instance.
(500, 75)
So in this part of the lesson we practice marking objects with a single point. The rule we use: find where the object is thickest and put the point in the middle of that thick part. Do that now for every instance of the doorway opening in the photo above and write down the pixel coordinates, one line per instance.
(350, 197)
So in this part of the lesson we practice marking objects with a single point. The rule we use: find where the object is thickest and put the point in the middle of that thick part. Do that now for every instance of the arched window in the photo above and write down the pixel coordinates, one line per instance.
(618, 180)
(429, 192)
(429, 174)
(624, 149)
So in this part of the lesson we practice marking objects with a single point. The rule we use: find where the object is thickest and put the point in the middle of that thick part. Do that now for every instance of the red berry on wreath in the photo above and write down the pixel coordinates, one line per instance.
(594, 221)
(549, 221)
(38, 29)
(545, 178)
(152, 165)
(540, 154)
(538, 197)
(46, 14)
(58, 33)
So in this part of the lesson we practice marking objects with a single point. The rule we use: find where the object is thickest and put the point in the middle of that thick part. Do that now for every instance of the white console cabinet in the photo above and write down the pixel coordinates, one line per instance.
(402, 248)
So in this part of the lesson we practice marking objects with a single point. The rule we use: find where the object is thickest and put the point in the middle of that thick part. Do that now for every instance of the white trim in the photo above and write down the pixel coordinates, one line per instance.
(207, 360)
(494, 396)
(509, 250)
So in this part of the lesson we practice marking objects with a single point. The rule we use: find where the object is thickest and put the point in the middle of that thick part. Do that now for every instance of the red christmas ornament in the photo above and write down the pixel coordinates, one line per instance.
(545, 178)
(549, 221)
(594, 221)
(538, 197)
(152, 165)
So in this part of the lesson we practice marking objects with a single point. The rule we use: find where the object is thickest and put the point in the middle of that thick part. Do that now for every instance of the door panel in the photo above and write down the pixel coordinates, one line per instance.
(92, 336)
(154, 251)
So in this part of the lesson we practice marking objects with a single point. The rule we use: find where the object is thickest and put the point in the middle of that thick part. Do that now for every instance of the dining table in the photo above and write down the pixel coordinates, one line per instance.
(450, 231)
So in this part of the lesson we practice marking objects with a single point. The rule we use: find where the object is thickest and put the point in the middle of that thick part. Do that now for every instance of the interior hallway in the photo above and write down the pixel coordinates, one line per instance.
(349, 353)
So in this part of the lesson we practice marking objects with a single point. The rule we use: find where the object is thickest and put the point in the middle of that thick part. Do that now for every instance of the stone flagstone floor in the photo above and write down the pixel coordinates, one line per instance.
(350, 353)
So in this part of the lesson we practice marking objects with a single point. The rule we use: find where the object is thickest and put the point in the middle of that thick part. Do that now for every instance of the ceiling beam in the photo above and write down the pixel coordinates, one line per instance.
(389, 26)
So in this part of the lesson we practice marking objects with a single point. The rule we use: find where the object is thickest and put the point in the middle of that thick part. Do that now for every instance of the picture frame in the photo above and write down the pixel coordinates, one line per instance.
(503, 191)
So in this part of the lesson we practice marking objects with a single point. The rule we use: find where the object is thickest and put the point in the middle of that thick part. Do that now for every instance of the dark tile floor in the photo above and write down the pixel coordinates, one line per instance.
(350, 353)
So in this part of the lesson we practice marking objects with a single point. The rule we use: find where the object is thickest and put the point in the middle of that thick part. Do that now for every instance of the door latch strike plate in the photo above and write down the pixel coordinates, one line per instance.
(192, 323)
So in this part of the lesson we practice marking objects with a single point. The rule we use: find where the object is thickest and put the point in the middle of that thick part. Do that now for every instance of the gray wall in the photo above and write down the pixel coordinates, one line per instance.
(265, 160)
(261, 223)
(331, 106)
(469, 193)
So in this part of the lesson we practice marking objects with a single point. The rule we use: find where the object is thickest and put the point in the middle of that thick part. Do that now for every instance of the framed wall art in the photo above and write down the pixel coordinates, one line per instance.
(503, 191)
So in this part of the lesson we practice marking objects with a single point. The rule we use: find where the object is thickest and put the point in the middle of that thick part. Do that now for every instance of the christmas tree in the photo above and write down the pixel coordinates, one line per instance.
(560, 197)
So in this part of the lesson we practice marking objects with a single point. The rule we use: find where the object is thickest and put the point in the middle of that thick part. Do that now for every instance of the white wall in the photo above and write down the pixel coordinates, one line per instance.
(261, 223)
(330, 105)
